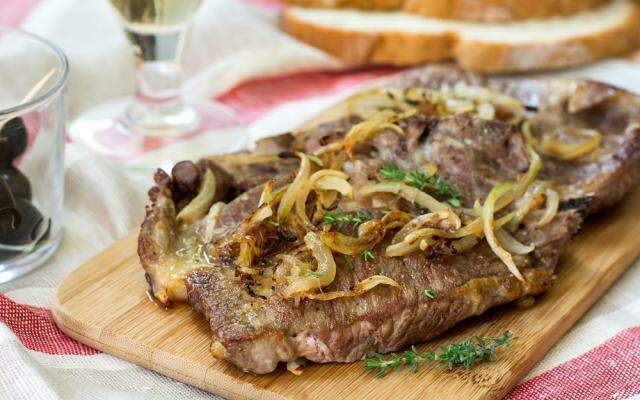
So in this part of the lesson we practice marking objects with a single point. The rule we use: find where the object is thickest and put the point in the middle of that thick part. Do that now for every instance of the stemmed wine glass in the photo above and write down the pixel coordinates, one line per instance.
(158, 113)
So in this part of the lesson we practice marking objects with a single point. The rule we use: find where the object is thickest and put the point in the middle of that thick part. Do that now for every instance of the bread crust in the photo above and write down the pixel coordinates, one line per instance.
(359, 48)
(468, 10)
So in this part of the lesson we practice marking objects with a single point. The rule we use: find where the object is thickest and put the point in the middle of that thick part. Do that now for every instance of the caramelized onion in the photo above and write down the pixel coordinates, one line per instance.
(488, 226)
(511, 244)
(261, 214)
(408, 193)
(531, 200)
(561, 149)
(553, 202)
(251, 159)
(267, 193)
(326, 268)
(474, 228)
(374, 100)
(327, 198)
(199, 206)
(451, 220)
(401, 249)
(338, 178)
(517, 190)
(464, 244)
(395, 219)
(340, 185)
(359, 288)
(289, 196)
(362, 131)
(369, 234)
(564, 150)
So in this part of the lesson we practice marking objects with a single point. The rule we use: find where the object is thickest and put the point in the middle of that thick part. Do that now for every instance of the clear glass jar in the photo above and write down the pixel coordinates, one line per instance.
(33, 79)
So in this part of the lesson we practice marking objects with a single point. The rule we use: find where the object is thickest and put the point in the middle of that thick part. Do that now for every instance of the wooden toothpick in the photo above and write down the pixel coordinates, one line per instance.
(35, 90)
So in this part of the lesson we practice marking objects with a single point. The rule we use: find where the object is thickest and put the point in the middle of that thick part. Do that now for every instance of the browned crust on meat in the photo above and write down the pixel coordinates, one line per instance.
(157, 220)
(336, 332)
(625, 167)
(359, 48)
(410, 325)
(158, 229)
(469, 10)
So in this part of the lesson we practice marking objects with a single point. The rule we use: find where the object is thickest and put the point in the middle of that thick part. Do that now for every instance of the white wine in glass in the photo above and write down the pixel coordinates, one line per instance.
(156, 15)
(156, 30)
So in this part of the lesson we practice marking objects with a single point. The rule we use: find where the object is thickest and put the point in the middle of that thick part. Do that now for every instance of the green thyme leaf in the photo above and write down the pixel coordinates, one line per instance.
(416, 179)
(367, 255)
(350, 264)
(391, 173)
(466, 354)
(341, 219)
(429, 294)
(419, 179)
(442, 188)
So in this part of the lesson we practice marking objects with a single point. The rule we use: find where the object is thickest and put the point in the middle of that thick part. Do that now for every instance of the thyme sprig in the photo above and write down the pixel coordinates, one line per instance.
(466, 354)
(350, 264)
(416, 179)
(341, 219)
(367, 255)
(442, 188)
(391, 173)
(419, 179)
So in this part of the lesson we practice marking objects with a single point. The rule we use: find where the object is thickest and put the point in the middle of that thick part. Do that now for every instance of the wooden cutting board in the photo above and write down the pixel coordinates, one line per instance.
(104, 305)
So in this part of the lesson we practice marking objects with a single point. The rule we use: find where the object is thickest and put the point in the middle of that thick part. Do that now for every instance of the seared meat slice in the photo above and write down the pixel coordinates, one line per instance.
(257, 330)
(158, 249)
(601, 178)
(256, 333)
(476, 154)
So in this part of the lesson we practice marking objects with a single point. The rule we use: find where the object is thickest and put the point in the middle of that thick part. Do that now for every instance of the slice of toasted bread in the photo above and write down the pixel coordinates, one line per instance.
(365, 38)
(469, 10)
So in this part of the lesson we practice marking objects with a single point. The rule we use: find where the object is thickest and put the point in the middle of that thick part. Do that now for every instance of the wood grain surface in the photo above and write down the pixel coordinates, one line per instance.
(104, 304)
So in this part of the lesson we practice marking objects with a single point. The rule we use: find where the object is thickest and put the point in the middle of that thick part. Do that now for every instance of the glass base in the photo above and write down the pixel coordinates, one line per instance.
(174, 118)
(22, 265)
(120, 130)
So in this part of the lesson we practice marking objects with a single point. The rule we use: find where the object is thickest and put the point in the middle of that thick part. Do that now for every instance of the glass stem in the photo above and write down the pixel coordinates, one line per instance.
(158, 109)
(158, 73)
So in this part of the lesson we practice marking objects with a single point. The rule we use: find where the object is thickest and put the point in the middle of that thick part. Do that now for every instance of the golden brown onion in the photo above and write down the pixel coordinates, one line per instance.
(553, 202)
(511, 244)
(565, 150)
(362, 131)
(488, 226)
(289, 196)
(326, 269)
(199, 206)
(369, 234)
(408, 193)
(359, 288)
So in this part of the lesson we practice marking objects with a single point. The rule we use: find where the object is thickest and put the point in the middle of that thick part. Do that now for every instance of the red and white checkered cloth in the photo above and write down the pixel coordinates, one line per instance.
(598, 359)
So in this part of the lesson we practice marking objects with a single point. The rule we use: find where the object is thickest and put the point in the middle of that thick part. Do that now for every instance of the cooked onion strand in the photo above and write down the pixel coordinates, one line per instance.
(488, 227)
